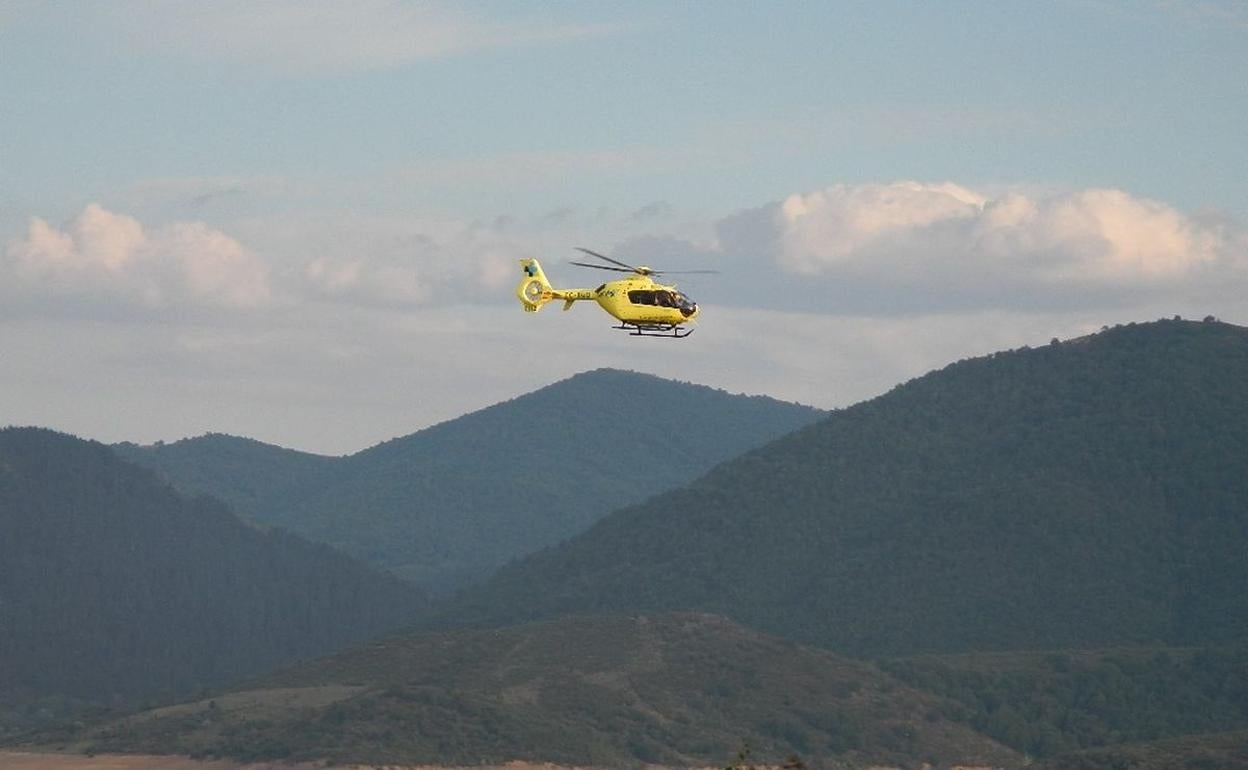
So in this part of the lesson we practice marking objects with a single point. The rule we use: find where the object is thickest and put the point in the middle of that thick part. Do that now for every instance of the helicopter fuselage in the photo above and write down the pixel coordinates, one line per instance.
(642, 300)
(638, 300)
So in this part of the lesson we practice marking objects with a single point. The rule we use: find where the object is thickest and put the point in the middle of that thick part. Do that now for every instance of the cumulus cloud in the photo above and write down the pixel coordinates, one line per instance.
(366, 281)
(992, 251)
(402, 261)
(867, 249)
(104, 256)
(828, 226)
(107, 261)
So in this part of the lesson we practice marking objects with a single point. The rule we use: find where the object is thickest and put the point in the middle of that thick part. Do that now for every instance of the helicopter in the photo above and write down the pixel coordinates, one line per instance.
(643, 307)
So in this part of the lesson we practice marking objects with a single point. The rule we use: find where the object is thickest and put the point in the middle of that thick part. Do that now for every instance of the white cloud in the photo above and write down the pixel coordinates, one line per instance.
(868, 249)
(1090, 247)
(214, 265)
(823, 227)
(366, 281)
(392, 260)
(111, 258)
(318, 36)
(1115, 235)
(399, 260)
(107, 262)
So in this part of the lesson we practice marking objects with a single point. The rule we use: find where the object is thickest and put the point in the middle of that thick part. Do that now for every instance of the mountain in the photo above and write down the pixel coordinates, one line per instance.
(250, 476)
(113, 586)
(609, 692)
(450, 504)
(1086, 493)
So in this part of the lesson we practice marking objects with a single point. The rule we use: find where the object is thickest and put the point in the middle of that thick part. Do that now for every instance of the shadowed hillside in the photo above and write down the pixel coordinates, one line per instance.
(1052, 703)
(114, 586)
(250, 476)
(682, 689)
(1219, 751)
(450, 504)
(1086, 493)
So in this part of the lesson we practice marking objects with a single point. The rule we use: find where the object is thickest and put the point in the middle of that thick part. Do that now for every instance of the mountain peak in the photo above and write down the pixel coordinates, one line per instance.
(1085, 493)
(447, 505)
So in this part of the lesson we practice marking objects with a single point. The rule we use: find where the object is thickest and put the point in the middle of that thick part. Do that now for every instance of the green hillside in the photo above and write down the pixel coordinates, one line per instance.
(255, 479)
(1218, 751)
(1053, 703)
(1086, 493)
(114, 588)
(615, 692)
(450, 504)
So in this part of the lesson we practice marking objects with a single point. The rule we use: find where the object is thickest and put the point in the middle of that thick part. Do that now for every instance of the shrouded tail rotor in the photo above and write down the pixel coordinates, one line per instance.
(534, 290)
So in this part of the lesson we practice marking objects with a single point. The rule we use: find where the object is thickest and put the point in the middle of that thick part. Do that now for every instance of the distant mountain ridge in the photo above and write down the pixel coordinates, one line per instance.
(114, 586)
(250, 476)
(450, 504)
(1082, 494)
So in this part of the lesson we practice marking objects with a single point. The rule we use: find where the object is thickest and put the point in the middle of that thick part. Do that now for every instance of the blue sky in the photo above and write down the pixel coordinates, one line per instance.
(762, 98)
(207, 210)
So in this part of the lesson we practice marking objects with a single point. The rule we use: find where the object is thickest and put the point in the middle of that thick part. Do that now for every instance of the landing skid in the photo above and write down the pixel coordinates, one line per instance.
(671, 331)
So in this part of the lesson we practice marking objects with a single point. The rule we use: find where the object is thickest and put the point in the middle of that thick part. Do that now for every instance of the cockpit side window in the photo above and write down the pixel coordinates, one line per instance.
(641, 297)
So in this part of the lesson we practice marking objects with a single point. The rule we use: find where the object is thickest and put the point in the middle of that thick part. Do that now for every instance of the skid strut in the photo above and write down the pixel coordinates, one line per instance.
(671, 331)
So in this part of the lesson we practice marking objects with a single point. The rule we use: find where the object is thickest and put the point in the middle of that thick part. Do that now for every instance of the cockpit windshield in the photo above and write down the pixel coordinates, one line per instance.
(687, 306)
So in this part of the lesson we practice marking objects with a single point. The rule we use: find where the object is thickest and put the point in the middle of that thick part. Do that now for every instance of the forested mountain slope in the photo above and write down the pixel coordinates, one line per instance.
(449, 504)
(1086, 493)
(113, 585)
(1051, 703)
(608, 692)
(253, 478)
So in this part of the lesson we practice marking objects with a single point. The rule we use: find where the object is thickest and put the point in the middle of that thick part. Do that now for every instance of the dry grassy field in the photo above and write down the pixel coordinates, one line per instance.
(19, 760)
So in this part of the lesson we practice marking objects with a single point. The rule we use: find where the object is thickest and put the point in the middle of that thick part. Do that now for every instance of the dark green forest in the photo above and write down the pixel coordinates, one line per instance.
(116, 589)
(1051, 703)
(450, 504)
(1216, 751)
(253, 478)
(1088, 493)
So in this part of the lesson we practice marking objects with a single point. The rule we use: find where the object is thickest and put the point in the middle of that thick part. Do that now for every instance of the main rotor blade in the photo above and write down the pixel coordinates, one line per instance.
(601, 267)
(612, 261)
(686, 272)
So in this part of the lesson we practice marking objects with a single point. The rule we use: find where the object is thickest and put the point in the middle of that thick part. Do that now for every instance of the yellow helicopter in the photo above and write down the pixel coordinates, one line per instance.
(643, 307)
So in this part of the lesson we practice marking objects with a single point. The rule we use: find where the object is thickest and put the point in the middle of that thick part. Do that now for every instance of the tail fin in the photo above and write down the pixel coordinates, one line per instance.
(534, 290)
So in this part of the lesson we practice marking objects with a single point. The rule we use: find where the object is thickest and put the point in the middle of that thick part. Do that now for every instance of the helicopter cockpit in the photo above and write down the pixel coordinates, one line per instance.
(686, 305)
(664, 298)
